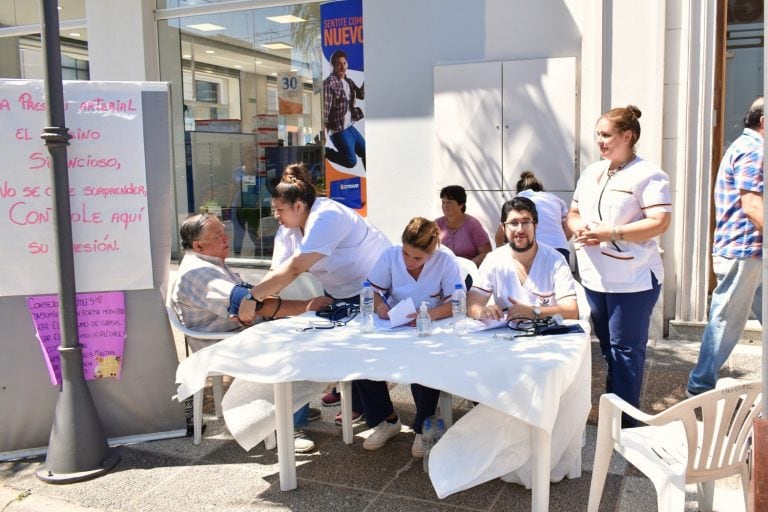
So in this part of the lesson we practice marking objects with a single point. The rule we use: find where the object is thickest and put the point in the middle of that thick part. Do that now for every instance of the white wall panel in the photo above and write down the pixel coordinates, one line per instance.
(539, 104)
(468, 116)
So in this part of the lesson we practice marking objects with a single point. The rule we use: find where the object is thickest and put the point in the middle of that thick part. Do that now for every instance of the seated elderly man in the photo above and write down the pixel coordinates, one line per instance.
(527, 278)
(209, 297)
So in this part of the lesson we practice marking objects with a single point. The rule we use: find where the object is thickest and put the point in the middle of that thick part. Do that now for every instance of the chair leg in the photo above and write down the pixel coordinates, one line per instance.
(218, 393)
(197, 417)
(745, 485)
(706, 495)
(599, 473)
(603, 453)
(670, 491)
(445, 405)
(270, 442)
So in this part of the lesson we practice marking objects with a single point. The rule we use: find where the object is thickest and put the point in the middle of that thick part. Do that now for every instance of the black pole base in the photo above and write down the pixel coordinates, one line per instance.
(69, 478)
(78, 448)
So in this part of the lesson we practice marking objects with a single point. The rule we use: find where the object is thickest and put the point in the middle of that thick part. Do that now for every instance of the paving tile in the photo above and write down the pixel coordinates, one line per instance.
(352, 466)
(15, 471)
(389, 503)
(617, 466)
(312, 496)
(137, 470)
(564, 496)
(637, 495)
(412, 482)
(662, 389)
(204, 488)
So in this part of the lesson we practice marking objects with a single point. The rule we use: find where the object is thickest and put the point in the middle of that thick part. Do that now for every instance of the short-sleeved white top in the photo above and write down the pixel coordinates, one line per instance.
(349, 243)
(549, 279)
(437, 280)
(638, 188)
(551, 211)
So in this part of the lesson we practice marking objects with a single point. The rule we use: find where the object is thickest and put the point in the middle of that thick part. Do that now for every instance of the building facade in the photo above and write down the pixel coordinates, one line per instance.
(692, 66)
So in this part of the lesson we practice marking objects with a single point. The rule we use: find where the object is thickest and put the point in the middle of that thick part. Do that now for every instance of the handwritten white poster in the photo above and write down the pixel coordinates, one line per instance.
(107, 189)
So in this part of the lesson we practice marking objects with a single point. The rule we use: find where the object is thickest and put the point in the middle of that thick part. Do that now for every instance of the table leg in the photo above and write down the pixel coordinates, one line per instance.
(347, 434)
(286, 458)
(542, 455)
(578, 444)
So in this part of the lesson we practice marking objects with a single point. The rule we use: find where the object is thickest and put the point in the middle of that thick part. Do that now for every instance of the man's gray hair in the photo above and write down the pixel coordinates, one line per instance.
(192, 228)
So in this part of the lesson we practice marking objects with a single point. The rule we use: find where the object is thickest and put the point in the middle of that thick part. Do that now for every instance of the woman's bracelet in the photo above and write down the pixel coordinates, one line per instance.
(617, 234)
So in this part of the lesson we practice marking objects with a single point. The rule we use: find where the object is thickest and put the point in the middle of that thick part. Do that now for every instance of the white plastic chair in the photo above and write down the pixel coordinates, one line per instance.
(677, 449)
(468, 268)
(305, 286)
(197, 399)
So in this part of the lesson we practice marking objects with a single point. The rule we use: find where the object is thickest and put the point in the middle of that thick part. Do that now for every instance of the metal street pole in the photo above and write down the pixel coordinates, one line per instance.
(77, 448)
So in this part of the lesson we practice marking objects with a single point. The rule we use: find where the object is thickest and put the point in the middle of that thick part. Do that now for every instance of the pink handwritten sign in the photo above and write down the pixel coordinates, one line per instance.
(108, 191)
(100, 326)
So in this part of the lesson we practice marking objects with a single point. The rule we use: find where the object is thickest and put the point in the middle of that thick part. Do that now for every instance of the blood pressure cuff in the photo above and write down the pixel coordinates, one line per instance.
(238, 294)
(338, 310)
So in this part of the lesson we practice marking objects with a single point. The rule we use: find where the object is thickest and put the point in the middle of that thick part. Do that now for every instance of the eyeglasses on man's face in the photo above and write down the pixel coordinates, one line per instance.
(514, 224)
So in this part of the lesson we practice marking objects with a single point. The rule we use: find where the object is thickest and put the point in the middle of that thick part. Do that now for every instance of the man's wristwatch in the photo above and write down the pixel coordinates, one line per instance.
(536, 311)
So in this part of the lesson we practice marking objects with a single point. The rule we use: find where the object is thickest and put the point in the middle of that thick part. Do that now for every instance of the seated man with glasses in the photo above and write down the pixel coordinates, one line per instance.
(528, 279)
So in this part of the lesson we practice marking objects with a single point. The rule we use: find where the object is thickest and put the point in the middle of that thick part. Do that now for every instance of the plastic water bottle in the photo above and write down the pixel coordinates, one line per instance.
(423, 321)
(431, 432)
(366, 308)
(459, 309)
(439, 430)
(426, 441)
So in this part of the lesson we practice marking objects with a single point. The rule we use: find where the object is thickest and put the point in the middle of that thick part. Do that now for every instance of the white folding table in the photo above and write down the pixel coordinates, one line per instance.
(524, 378)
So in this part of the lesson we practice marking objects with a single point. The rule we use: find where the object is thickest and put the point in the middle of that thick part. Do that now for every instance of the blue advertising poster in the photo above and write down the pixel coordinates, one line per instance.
(344, 102)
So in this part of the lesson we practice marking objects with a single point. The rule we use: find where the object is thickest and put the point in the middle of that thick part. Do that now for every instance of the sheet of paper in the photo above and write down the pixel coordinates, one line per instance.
(484, 325)
(398, 315)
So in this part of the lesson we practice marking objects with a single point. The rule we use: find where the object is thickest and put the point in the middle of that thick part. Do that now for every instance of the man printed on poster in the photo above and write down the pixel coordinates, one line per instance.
(340, 113)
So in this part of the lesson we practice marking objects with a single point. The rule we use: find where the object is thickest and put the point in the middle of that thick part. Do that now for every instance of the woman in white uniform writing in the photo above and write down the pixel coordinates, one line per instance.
(425, 271)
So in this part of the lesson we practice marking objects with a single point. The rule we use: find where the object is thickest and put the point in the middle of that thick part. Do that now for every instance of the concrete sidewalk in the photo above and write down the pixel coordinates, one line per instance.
(174, 475)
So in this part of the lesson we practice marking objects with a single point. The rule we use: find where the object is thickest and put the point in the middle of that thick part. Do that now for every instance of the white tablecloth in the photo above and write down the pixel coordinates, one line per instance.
(541, 382)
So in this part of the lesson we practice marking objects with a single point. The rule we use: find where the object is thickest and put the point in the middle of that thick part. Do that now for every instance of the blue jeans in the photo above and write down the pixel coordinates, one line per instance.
(349, 145)
(738, 290)
(621, 322)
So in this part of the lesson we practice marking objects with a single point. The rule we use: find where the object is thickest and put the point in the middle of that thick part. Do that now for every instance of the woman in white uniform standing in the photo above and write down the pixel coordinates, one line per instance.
(425, 271)
(620, 204)
(322, 237)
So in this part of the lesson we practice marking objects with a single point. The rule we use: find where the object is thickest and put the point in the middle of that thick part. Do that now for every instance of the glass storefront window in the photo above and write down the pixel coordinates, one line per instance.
(15, 13)
(743, 64)
(238, 133)
(21, 55)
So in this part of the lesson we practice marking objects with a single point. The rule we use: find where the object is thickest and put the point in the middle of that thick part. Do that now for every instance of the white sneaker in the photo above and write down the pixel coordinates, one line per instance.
(381, 434)
(417, 450)
(302, 443)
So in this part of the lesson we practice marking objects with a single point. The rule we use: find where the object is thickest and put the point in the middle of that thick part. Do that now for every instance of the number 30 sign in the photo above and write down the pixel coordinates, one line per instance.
(289, 93)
